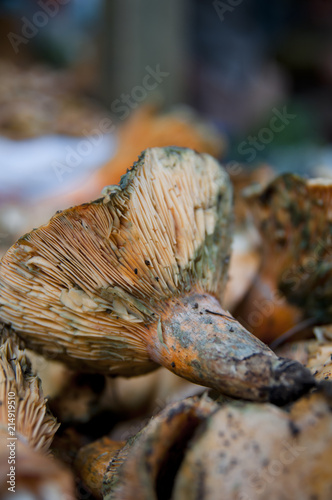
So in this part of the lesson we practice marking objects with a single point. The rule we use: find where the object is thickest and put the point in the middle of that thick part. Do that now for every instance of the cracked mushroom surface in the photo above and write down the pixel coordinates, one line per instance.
(134, 279)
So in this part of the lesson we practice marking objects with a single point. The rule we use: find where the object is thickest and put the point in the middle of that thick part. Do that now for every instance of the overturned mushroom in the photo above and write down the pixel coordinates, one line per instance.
(133, 279)
(92, 461)
(151, 456)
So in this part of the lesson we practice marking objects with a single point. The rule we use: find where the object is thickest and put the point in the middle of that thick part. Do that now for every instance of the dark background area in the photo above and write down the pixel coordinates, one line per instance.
(239, 63)
(233, 61)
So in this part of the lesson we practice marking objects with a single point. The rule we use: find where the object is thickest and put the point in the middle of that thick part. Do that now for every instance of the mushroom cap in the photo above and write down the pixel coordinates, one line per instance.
(85, 286)
(200, 449)
(260, 451)
(145, 467)
(294, 217)
(92, 461)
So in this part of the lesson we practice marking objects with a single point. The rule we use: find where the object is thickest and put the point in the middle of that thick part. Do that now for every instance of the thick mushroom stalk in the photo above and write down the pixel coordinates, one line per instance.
(201, 342)
(108, 286)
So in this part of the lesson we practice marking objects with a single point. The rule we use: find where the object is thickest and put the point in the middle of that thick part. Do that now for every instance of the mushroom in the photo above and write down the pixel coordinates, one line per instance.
(257, 451)
(33, 422)
(197, 448)
(314, 354)
(26, 431)
(146, 127)
(152, 455)
(148, 462)
(133, 280)
(294, 217)
(92, 461)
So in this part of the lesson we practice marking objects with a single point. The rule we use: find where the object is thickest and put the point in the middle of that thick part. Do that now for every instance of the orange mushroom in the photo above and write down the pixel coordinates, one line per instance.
(132, 281)
(147, 127)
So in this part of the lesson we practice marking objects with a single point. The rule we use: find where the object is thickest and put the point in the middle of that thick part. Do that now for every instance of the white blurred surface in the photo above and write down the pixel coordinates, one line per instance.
(44, 166)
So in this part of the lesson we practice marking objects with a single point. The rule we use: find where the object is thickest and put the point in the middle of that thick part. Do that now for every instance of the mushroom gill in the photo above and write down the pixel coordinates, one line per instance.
(27, 429)
(132, 279)
(20, 388)
(86, 284)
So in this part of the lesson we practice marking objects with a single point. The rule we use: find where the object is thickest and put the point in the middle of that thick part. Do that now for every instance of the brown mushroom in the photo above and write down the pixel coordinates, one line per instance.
(148, 462)
(199, 449)
(294, 218)
(92, 461)
(151, 456)
(314, 354)
(33, 423)
(254, 451)
(133, 279)
(26, 431)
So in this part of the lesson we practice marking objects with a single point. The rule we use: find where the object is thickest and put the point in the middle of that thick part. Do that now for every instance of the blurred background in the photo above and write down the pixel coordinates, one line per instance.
(85, 86)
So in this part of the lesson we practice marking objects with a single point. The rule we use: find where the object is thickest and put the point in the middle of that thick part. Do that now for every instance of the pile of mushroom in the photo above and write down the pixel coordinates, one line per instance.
(199, 447)
(134, 281)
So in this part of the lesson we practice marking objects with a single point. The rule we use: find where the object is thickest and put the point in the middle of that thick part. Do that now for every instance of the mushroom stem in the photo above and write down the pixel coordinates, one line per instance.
(196, 339)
